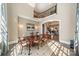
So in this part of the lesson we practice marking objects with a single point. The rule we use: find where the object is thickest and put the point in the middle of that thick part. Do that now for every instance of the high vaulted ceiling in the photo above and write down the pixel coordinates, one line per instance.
(41, 7)
(42, 10)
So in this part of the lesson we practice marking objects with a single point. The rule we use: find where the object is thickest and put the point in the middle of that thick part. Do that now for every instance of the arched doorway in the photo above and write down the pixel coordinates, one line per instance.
(52, 28)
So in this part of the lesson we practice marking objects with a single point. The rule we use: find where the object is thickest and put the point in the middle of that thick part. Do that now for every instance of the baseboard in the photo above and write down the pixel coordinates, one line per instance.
(12, 42)
(68, 43)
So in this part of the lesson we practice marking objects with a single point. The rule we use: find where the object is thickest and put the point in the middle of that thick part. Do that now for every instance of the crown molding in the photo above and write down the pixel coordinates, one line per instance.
(29, 18)
(46, 13)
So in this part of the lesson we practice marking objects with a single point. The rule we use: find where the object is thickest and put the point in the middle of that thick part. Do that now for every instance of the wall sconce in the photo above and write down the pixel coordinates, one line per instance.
(36, 27)
(20, 26)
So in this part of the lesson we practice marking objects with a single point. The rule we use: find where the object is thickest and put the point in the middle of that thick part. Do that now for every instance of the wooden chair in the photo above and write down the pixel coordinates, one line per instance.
(31, 41)
(22, 43)
(36, 41)
(45, 37)
(41, 42)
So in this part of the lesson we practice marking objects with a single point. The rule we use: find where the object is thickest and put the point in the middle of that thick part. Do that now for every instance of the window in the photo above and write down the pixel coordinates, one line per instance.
(3, 28)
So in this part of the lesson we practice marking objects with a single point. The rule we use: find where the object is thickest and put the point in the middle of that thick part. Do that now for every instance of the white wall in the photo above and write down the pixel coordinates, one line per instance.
(66, 15)
(13, 11)
(23, 29)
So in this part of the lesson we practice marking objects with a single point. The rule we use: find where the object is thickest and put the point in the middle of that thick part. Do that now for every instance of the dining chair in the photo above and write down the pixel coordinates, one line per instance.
(36, 41)
(23, 43)
(45, 37)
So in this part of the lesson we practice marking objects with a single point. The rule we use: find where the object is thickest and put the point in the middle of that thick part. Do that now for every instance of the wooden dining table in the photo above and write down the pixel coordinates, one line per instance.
(33, 40)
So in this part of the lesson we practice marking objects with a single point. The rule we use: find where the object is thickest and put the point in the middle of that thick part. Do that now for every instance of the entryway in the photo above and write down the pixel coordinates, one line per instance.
(52, 28)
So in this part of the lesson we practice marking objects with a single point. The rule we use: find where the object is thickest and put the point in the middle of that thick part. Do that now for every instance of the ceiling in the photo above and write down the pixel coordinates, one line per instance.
(41, 7)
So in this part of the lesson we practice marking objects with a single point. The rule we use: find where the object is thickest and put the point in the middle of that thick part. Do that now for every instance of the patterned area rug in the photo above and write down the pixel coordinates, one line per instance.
(52, 48)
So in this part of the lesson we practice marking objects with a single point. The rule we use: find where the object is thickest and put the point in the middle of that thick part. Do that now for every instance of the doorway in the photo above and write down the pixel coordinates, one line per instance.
(53, 29)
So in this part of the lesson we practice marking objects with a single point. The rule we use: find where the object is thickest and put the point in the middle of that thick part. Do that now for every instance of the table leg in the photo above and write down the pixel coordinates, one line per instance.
(29, 50)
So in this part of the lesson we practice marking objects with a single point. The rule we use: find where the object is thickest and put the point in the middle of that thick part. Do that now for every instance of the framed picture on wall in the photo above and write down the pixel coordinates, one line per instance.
(30, 27)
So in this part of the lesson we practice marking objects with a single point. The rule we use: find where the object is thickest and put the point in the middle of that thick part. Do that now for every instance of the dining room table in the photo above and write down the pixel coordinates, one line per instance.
(35, 40)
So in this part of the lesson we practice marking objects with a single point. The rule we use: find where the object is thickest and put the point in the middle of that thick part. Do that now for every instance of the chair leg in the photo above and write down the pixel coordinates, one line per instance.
(29, 49)
(38, 45)
(22, 50)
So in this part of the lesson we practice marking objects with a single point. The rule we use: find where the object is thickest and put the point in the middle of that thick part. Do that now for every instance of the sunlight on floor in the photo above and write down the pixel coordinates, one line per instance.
(52, 48)
(58, 49)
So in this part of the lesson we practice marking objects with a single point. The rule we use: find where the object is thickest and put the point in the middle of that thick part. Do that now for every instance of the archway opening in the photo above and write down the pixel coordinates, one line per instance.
(52, 28)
